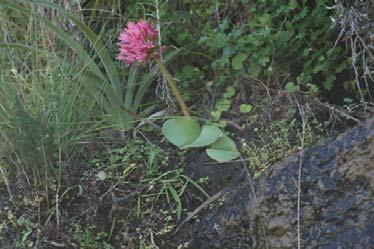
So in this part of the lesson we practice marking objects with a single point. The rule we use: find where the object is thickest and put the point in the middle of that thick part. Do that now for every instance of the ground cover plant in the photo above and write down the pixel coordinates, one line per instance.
(105, 104)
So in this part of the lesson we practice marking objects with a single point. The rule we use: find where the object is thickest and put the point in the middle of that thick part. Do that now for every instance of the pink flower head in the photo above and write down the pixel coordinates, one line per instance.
(137, 42)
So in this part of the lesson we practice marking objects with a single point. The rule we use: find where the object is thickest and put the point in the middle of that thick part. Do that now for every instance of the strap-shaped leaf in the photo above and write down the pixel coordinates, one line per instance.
(177, 200)
(222, 155)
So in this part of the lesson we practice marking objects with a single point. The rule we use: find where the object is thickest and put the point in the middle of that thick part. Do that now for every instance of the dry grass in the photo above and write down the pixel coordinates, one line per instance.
(356, 21)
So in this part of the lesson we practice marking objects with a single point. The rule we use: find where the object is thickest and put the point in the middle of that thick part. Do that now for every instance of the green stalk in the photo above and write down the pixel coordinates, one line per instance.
(174, 88)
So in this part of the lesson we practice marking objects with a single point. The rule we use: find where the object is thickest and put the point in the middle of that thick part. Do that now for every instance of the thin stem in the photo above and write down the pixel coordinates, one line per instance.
(158, 28)
(302, 139)
(2, 172)
(174, 87)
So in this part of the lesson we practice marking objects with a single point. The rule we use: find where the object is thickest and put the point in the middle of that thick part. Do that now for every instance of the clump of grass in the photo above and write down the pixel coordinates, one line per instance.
(44, 109)
(355, 20)
(45, 112)
(143, 163)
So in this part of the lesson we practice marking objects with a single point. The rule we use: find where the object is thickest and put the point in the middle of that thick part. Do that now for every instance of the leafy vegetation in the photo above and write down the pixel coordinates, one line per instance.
(185, 132)
(83, 159)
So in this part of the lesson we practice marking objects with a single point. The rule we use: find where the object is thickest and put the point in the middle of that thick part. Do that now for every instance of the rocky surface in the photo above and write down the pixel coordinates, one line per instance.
(337, 204)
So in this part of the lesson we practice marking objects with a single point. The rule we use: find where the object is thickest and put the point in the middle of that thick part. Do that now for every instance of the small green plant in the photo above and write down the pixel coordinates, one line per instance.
(292, 88)
(185, 132)
(145, 163)
(224, 104)
(88, 238)
(245, 108)
(25, 228)
(274, 143)
(172, 185)
(119, 163)
(138, 43)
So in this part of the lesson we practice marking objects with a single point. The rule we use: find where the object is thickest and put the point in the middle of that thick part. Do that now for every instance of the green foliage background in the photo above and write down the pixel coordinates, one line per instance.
(271, 39)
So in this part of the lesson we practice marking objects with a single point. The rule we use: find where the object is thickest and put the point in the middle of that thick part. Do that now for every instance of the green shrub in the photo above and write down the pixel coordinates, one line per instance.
(279, 40)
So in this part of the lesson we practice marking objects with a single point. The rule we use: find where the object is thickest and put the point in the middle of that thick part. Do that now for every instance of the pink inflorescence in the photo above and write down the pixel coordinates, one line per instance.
(137, 42)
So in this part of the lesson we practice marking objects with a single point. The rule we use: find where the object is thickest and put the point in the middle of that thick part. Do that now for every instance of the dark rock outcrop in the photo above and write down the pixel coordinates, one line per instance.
(336, 208)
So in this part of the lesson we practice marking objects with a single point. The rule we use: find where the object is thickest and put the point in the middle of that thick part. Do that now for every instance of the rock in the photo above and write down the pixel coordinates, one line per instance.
(337, 204)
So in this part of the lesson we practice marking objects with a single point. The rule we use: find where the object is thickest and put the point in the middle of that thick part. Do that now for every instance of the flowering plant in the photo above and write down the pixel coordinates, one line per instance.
(138, 44)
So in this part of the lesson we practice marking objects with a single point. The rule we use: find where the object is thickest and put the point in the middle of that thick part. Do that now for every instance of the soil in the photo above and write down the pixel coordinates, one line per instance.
(335, 199)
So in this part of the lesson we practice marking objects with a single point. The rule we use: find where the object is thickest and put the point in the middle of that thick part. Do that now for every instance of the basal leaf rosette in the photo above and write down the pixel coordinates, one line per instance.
(185, 132)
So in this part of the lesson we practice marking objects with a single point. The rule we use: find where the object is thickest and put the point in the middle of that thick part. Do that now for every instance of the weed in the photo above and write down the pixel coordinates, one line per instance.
(171, 185)
(88, 238)
(119, 163)
(276, 142)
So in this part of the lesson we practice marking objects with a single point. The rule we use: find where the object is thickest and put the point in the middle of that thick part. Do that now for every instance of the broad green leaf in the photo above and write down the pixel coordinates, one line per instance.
(222, 155)
(223, 150)
(208, 134)
(181, 130)
(224, 143)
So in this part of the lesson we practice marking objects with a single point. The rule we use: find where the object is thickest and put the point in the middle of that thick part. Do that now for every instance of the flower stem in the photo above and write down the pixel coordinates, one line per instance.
(174, 87)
